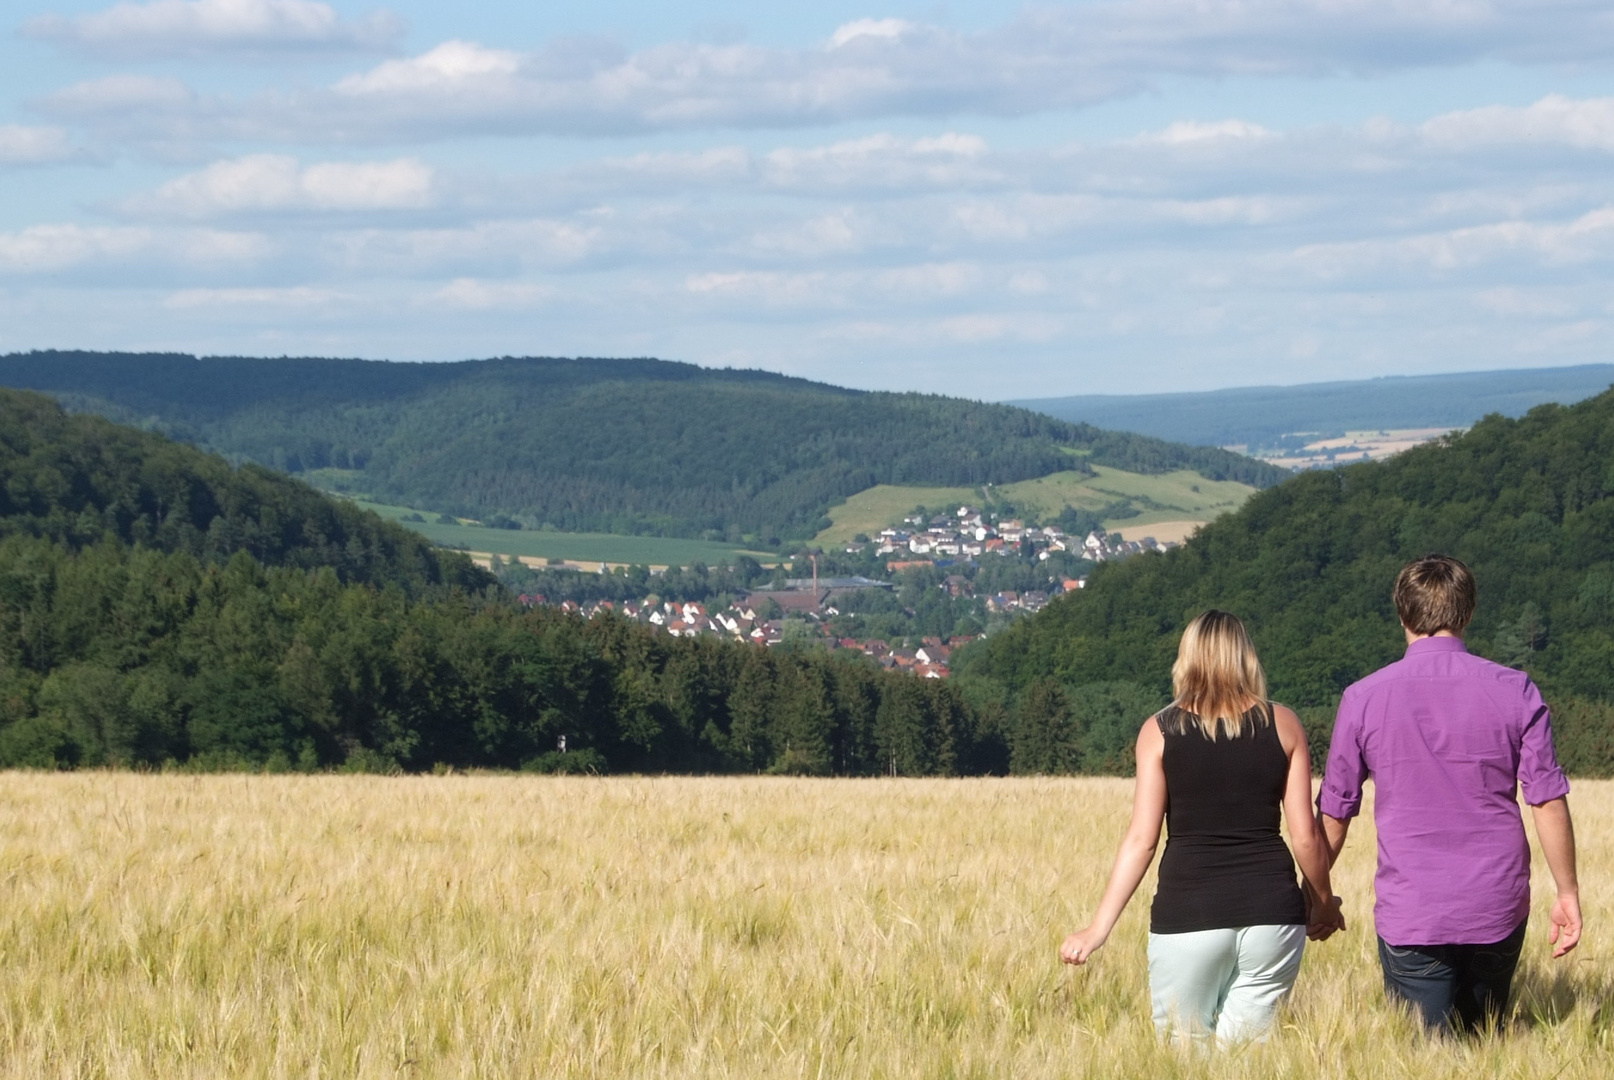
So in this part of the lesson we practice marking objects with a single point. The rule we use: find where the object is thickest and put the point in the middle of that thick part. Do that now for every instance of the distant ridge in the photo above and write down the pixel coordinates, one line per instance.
(630, 446)
(1256, 415)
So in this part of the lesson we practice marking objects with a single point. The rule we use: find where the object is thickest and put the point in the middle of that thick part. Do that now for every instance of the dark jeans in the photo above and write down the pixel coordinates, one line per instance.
(1454, 987)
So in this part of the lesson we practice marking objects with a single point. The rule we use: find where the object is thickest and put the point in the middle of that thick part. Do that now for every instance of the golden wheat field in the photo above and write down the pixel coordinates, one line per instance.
(267, 926)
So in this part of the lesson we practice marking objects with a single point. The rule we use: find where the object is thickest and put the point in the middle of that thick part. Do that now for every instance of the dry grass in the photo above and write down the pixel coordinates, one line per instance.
(167, 926)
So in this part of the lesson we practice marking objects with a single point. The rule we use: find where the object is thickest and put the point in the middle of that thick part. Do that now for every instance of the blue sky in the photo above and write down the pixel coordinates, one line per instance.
(1106, 197)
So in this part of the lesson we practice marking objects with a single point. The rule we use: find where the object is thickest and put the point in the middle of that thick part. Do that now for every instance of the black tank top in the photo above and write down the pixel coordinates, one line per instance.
(1225, 864)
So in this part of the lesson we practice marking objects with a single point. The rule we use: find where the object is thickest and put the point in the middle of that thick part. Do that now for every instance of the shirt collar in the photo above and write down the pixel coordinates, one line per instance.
(1436, 645)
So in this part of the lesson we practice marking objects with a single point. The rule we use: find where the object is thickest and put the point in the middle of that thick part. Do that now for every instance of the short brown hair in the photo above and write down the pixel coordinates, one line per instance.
(1434, 593)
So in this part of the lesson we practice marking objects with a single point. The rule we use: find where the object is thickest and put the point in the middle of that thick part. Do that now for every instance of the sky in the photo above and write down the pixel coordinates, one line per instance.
(1114, 196)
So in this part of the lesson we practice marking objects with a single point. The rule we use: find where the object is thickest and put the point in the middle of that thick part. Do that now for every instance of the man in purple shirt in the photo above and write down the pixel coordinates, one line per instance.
(1448, 739)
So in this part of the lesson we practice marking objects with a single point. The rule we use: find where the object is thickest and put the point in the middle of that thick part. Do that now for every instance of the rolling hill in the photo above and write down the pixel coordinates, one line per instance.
(624, 446)
(82, 481)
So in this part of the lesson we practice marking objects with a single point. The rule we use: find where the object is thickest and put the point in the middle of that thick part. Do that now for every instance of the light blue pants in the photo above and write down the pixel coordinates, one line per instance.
(1223, 982)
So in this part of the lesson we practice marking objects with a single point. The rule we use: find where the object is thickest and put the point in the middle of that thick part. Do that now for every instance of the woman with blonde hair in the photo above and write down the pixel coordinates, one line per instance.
(1229, 921)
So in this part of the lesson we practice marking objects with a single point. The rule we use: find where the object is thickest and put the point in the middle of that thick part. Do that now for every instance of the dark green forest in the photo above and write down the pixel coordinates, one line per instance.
(1528, 503)
(628, 446)
(81, 481)
(161, 609)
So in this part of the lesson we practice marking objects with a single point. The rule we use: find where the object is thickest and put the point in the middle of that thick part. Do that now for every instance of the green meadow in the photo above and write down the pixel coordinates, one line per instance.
(570, 547)
(1175, 496)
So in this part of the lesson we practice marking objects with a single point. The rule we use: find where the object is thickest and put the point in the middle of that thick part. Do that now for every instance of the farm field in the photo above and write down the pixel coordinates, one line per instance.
(874, 508)
(482, 926)
(1180, 495)
(583, 548)
(1174, 494)
(1324, 452)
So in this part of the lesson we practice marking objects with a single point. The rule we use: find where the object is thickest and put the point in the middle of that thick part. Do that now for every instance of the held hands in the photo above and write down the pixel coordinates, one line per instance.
(1081, 945)
(1323, 920)
(1564, 924)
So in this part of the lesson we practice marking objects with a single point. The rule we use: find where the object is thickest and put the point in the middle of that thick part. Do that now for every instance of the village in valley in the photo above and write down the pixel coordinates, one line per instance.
(959, 559)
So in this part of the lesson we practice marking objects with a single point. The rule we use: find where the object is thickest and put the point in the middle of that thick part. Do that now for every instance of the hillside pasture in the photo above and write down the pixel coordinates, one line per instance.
(1167, 497)
(481, 926)
(874, 508)
(1181, 495)
(579, 548)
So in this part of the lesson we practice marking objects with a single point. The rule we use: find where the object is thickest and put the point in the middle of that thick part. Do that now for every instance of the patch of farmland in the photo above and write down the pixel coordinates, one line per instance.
(588, 548)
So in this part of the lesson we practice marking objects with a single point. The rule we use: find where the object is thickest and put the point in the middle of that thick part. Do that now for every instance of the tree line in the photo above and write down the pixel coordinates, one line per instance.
(129, 656)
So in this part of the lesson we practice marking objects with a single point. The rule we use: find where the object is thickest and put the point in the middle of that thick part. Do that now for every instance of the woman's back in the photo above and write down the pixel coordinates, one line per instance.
(1225, 863)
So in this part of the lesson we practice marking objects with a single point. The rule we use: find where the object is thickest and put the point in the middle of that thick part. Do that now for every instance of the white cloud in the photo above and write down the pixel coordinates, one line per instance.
(450, 66)
(1029, 282)
(1026, 216)
(1586, 238)
(45, 248)
(119, 95)
(215, 28)
(297, 296)
(1044, 59)
(471, 294)
(274, 182)
(977, 328)
(1188, 131)
(42, 249)
(20, 145)
(839, 232)
(816, 290)
(1554, 120)
(879, 29)
(953, 331)
(1531, 303)
(915, 285)
(882, 161)
(658, 171)
(484, 249)
(930, 281)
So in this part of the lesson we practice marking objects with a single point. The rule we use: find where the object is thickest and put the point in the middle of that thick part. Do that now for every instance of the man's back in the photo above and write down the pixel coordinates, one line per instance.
(1447, 738)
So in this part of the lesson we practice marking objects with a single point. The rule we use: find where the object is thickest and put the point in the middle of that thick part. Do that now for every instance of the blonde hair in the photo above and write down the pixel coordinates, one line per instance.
(1217, 675)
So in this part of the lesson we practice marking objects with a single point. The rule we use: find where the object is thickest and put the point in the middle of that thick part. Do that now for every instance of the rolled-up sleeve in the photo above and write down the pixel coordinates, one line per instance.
(1346, 772)
(1539, 773)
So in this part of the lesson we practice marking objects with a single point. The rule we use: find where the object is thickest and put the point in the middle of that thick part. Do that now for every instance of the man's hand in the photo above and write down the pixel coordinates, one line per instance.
(1556, 831)
(1564, 931)
(1081, 945)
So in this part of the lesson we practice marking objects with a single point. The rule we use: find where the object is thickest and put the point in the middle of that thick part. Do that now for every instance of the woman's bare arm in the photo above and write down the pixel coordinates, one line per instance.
(1136, 851)
(1311, 849)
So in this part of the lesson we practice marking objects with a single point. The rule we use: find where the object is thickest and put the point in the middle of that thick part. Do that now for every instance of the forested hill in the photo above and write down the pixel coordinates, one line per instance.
(158, 608)
(80, 481)
(636, 446)
(1527, 503)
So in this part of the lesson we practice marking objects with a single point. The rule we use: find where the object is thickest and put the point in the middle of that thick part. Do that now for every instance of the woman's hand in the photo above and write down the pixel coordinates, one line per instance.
(1081, 945)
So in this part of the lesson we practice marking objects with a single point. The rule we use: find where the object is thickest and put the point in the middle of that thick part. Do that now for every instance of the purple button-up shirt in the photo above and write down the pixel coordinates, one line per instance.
(1448, 738)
